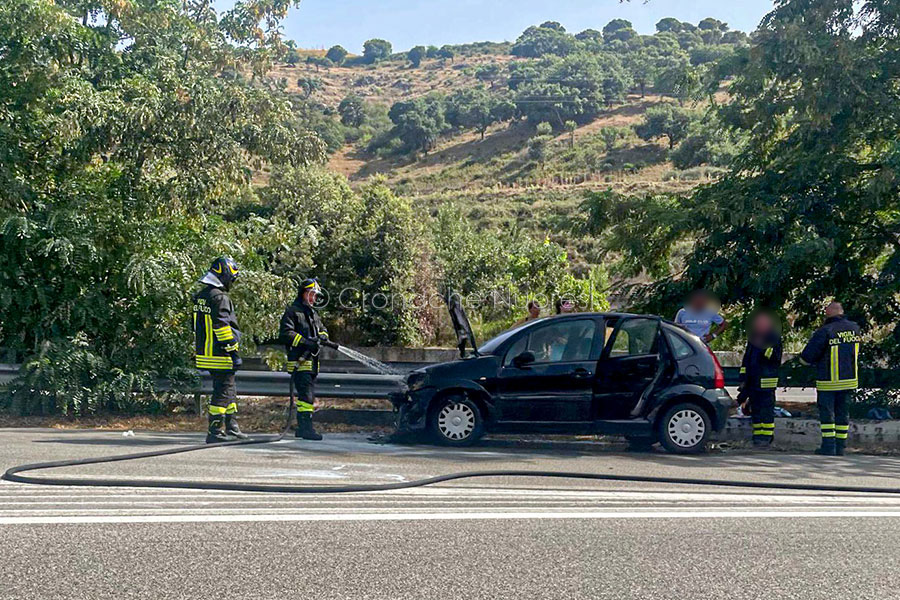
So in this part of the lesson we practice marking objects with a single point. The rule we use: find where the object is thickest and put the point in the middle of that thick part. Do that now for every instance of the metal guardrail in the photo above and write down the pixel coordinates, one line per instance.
(354, 385)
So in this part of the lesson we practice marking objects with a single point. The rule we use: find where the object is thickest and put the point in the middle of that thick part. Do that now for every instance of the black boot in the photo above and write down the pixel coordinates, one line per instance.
(215, 434)
(839, 446)
(232, 429)
(305, 428)
(827, 448)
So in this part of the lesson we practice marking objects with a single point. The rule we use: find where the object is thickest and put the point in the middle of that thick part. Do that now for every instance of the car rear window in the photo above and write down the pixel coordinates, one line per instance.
(680, 347)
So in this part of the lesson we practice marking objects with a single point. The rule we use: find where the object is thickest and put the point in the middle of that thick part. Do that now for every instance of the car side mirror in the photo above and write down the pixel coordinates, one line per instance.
(523, 359)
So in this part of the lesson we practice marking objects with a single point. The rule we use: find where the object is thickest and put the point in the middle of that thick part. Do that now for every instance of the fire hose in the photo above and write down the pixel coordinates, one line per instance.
(15, 474)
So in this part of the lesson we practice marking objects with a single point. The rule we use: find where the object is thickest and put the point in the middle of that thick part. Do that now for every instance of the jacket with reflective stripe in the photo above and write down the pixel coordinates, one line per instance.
(834, 350)
(300, 326)
(762, 358)
(216, 334)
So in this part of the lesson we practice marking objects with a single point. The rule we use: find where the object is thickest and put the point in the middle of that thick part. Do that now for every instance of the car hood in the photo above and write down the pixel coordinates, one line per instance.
(469, 368)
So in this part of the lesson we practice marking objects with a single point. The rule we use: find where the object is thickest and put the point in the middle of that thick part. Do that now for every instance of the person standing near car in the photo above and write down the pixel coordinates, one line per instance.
(698, 316)
(301, 331)
(216, 342)
(759, 376)
(834, 350)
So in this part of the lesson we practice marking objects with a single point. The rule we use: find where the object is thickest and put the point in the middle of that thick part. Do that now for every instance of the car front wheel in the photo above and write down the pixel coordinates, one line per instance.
(456, 421)
(684, 429)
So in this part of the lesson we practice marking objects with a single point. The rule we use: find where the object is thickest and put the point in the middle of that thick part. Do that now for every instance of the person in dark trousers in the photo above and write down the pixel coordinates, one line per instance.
(301, 332)
(216, 343)
(759, 376)
(834, 350)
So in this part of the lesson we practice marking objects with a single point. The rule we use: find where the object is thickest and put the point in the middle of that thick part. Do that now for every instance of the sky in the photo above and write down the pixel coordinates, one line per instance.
(407, 23)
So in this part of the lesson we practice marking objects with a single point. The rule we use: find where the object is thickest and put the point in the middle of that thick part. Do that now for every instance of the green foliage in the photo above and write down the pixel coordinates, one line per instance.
(498, 273)
(478, 109)
(536, 42)
(666, 121)
(575, 88)
(376, 50)
(416, 54)
(337, 54)
(352, 111)
(419, 122)
(809, 209)
(707, 143)
(116, 168)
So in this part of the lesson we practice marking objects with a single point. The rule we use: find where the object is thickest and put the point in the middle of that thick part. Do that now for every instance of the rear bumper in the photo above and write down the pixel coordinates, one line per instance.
(722, 404)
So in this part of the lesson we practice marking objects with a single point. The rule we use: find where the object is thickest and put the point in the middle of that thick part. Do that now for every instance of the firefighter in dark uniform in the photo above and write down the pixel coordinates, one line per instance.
(759, 376)
(834, 350)
(302, 333)
(216, 340)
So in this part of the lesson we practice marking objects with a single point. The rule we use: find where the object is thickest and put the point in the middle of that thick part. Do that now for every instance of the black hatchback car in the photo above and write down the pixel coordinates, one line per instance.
(610, 373)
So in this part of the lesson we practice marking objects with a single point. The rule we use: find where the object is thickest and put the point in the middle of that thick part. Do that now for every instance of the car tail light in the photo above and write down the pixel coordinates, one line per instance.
(719, 375)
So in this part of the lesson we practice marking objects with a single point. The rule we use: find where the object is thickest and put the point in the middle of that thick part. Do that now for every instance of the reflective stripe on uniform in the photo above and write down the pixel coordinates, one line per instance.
(827, 430)
(743, 370)
(297, 339)
(214, 362)
(303, 406)
(300, 365)
(841, 432)
(208, 350)
(224, 334)
(768, 352)
(231, 408)
(768, 383)
(216, 410)
(837, 386)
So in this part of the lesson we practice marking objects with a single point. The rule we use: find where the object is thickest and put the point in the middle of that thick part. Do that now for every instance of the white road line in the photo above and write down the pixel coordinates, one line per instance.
(436, 516)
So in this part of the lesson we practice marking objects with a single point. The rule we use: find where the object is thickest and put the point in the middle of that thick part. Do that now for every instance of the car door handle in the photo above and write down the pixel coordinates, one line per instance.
(581, 373)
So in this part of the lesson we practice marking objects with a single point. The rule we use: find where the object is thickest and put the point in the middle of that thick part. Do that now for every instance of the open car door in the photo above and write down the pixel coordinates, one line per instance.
(628, 367)
(461, 326)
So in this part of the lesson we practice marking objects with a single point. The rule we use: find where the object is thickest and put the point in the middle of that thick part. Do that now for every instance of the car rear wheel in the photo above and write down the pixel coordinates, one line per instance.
(684, 429)
(456, 421)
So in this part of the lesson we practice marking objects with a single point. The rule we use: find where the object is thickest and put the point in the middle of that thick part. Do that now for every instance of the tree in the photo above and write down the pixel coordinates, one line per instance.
(488, 72)
(415, 55)
(589, 35)
(375, 50)
(419, 122)
(536, 42)
(319, 61)
(477, 109)
(665, 121)
(446, 52)
(352, 111)
(669, 24)
(618, 29)
(119, 166)
(810, 209)
(309, 85)
(337, 54)
(571, 126)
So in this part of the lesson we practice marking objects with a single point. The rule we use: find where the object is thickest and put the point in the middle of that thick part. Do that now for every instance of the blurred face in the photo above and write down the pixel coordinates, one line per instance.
(699, 301)
(567, 306)
(534, 310)
(309, 296)
(763, 323)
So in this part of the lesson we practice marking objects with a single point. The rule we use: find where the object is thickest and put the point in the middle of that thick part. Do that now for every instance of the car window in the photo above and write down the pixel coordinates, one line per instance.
(567, 341)
(636, 337)
(680, 348)
(516, 349)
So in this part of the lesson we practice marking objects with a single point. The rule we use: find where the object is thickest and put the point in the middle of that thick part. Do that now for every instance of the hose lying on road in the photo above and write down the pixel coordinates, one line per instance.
(14, 474)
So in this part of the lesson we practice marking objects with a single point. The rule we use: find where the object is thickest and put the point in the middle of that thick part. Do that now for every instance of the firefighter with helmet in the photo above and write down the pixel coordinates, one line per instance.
(216, 342)
(302, 333)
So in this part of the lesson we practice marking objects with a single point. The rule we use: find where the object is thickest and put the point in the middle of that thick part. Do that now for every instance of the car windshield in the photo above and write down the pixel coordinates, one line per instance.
(490, 346)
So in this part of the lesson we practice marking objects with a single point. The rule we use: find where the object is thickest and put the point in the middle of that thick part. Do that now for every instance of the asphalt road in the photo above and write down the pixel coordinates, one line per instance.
(514, 538)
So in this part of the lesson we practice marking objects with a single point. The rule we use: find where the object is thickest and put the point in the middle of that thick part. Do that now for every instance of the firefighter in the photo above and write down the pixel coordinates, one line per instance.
(759, 376)
(834, 350)
(216, 340)
(302, 333)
